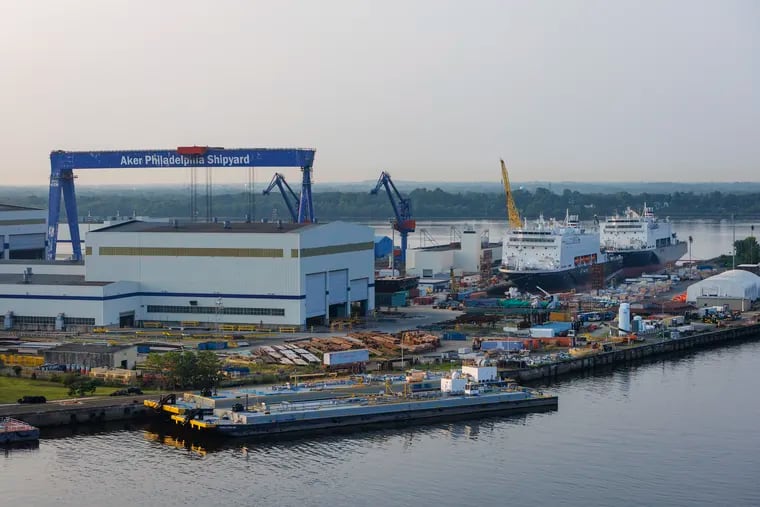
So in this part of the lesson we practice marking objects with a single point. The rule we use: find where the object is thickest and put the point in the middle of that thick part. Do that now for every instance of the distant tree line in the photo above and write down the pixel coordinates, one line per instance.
(426, 204)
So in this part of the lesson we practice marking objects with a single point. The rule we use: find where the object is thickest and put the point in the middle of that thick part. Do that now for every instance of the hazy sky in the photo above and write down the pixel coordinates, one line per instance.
(428, 90)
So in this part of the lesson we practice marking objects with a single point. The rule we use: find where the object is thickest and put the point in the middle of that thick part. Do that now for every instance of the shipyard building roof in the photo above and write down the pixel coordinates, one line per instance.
(220, 227)
(11, 207)
(47, 279)
(90, 348)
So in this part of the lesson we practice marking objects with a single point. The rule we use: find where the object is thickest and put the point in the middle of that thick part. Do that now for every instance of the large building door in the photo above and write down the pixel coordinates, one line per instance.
(338, 286)
(315, 295)
(359, 289)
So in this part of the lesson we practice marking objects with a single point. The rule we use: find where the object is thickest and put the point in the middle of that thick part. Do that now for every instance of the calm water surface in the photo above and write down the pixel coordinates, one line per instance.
(680, 431)
(711, 238)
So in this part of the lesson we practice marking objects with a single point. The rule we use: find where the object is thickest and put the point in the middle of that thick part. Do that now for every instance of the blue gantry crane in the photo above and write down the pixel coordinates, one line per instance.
(63, 164)
(402, 209)
(288, 195)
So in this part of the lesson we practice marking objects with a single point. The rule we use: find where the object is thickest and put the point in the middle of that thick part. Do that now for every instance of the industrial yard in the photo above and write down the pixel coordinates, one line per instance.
(291, 301)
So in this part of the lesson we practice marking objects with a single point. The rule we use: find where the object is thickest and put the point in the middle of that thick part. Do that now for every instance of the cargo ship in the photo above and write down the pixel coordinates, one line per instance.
(13, 431)
(459, 395)
(645, 243)
(555, 256)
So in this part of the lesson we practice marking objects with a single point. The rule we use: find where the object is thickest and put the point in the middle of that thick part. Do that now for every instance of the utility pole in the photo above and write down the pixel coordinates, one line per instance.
(752, 253)
(733, 244)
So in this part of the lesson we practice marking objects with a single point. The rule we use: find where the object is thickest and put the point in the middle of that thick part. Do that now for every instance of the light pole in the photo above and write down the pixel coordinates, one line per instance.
(752, 253)
(219, 307)
(691, 265)
(733, 244)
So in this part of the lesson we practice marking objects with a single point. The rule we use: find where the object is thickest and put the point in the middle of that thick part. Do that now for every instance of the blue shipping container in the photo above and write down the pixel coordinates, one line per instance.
(453, 335)
(558, 327)
(143, 349)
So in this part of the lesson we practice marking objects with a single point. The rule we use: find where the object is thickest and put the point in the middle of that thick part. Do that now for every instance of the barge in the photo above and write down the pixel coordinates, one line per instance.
(13, 431)
(460, 395)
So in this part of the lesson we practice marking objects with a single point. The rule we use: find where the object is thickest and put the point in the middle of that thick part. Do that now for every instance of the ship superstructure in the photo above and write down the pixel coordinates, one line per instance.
(552, 254)
(642, 240)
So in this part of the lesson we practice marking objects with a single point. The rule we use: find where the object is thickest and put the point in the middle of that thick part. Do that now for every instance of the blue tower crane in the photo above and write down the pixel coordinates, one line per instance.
(402, 208)
(63, 163)
(290, 197)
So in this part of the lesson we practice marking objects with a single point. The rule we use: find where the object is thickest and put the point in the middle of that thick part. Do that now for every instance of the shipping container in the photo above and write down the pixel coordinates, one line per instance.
(501, 345)
(559, 316)
(143, 349)
(454, 335)
(345, 357)
(542, 332)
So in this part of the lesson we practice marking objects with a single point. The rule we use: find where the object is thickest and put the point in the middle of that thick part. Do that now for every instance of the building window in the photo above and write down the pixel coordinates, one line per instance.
(190, 252)
(213, 310)
(50, 321)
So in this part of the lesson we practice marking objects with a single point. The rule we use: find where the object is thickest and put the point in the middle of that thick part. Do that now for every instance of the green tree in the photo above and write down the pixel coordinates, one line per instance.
(209, 367)
(187, 370)
(747, 251)
(82, 386)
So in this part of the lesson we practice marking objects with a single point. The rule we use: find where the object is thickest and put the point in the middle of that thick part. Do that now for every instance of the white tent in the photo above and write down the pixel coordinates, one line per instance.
(736, 283)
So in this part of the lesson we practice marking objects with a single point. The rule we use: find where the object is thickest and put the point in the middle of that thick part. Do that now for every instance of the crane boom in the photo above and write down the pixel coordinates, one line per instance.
(512, 214)
(278, 180)
(402, 209)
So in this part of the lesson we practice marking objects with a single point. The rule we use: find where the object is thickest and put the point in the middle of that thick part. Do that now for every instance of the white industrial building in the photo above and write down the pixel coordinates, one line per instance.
(210, 273)
(470, 255)
(23, 232)
(736, 288)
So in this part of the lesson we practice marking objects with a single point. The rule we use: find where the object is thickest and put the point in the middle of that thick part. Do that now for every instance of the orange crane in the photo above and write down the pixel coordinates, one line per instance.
(513, 215)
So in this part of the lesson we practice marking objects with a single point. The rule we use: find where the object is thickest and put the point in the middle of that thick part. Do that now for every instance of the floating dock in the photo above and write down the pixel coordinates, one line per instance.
(13, 430)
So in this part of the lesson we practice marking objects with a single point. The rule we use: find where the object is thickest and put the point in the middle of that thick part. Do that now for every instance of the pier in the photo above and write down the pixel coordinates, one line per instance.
(75, 412)
(625, 355)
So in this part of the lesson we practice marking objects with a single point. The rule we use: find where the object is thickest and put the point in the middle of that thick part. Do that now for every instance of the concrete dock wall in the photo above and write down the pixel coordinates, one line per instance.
(61, 414)
(621, 356)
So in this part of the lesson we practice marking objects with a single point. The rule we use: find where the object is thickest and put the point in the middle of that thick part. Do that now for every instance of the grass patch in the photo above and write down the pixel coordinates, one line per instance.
(13, 388)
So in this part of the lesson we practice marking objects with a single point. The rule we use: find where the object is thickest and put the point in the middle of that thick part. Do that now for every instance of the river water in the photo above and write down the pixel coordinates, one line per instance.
(679, 431)
(711, 238)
